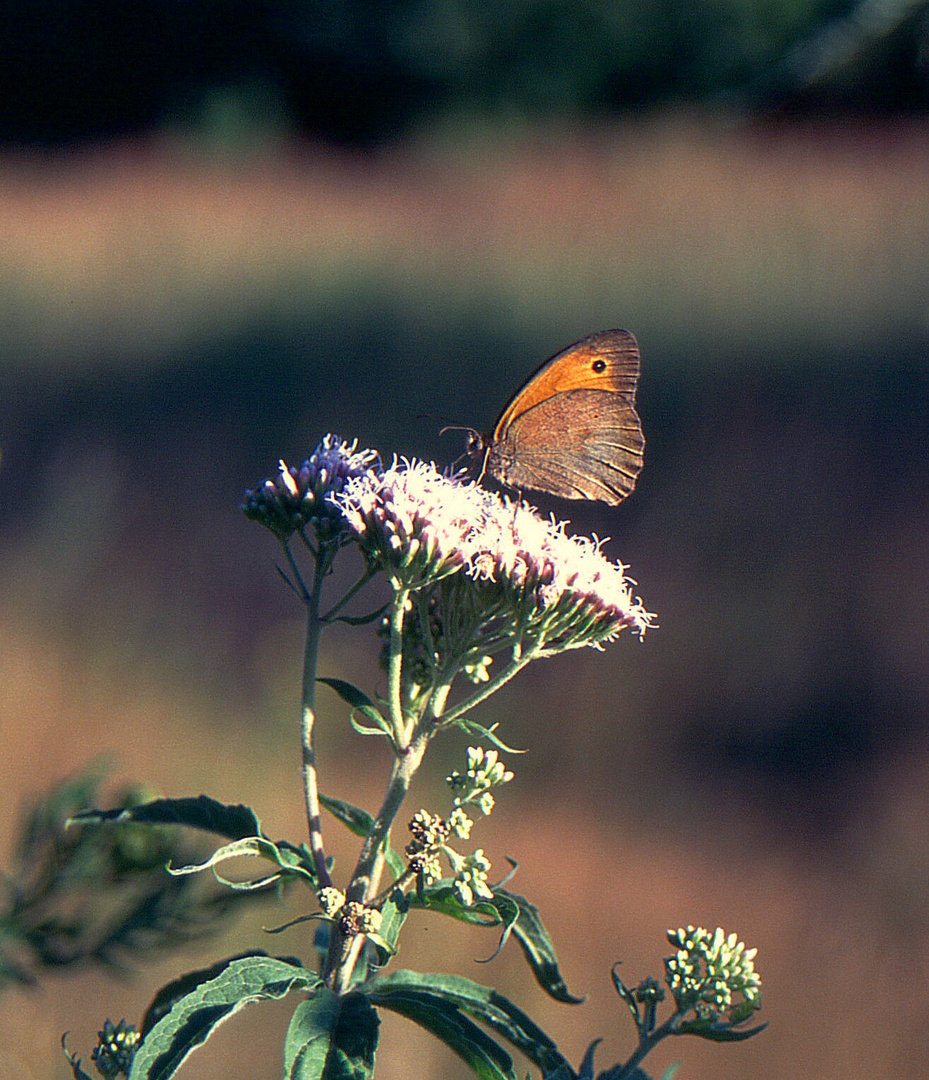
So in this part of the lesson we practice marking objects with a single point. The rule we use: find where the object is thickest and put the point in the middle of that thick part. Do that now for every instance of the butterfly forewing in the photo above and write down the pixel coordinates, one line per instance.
(572, 430)
(608, 361)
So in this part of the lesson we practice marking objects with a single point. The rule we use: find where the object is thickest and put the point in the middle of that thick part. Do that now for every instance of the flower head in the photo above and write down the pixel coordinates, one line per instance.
(415, 521)
(560, 587)
(429, 833)
(505, 570)
(300, 495)
(485, 771)
(356, 918)
(331, 900)
(470, 882)
(708, 968)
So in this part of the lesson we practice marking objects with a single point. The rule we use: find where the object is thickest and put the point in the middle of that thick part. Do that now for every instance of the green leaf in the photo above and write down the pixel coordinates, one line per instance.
(176, 989)
(393, 915)
(472, 727)
(442, 898)
(360, 702)
(482, 1054)
(537, 947)
(192, 1017)
(331, 1038)
(309, 1035)
(627, 995)
(362, 620)
(359, 821)
(444, 994)
(718, 1030)
(743, 1010)
(670, 1071)
(251, 846)
(395, 862)
(518, 917)
(204, 813)
(587, 1065)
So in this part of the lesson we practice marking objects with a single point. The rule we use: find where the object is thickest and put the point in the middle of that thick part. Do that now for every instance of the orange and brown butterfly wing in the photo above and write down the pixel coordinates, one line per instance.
(573, 430)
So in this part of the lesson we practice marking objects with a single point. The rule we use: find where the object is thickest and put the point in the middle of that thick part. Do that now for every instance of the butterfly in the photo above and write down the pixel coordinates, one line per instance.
(572, 430)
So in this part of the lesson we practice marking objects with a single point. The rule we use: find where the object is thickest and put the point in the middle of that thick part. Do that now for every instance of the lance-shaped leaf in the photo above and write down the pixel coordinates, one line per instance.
(204, 813)
(360, 703)
(287, 859)
(627, 995)
(537, 946)
(358, 821)
(74, 1062)
(482, 1054)
(408, 991)
(196, 1014)
(518, 917)
(718, 1030)
(331, 1038)
(479, 731)
(393, 915)
(442, 898)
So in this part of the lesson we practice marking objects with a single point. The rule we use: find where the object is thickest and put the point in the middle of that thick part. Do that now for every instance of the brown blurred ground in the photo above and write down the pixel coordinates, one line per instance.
(171, 325)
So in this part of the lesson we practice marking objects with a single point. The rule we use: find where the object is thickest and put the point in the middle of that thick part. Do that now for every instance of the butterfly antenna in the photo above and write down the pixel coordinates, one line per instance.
(457, 427)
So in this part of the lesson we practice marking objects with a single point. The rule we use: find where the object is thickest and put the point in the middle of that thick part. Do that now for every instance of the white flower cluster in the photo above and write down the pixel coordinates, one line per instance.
(708, 968)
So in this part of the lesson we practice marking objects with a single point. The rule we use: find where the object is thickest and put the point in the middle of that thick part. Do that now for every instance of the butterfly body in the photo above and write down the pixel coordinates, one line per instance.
(572, 430)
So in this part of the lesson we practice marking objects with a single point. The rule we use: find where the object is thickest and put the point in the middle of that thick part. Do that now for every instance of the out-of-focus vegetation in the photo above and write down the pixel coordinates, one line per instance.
(364, 70)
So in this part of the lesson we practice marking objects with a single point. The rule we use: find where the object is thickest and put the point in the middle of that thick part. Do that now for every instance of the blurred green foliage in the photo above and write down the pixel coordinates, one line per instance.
(361, 71)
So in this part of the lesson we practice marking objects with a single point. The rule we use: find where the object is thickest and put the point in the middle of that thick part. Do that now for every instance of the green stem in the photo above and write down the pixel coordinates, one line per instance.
(314, 627)
(356, 588)
(367, 875)
(395, 666)
(649, 1042)
(517, 663)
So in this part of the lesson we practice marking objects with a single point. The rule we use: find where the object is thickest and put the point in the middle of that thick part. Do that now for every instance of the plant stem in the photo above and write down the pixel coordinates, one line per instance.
(649, 1042)
(516, 664)
(367, 871)
(367, 875)
(307, 721)
(401, 734)
(369, 573)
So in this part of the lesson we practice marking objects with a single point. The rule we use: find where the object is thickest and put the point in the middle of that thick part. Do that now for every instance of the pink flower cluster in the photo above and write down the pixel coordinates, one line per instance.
(424, 526)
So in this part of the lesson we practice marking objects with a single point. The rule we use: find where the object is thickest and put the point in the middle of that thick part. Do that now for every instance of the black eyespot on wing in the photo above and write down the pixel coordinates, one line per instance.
(598, 366)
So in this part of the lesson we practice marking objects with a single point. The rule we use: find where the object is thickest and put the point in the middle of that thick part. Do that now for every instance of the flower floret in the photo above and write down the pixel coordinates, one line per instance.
(471, 879)
(413, 519)
(116, 1047)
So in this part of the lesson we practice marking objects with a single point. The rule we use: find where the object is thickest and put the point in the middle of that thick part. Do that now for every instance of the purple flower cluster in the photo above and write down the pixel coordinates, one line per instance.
(299, 496)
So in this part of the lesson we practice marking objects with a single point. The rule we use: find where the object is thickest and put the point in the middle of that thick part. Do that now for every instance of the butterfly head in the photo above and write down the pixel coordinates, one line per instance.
(476, 449)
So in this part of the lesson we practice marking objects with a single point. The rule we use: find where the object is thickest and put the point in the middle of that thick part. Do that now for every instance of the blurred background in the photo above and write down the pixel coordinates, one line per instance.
(229, 228)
